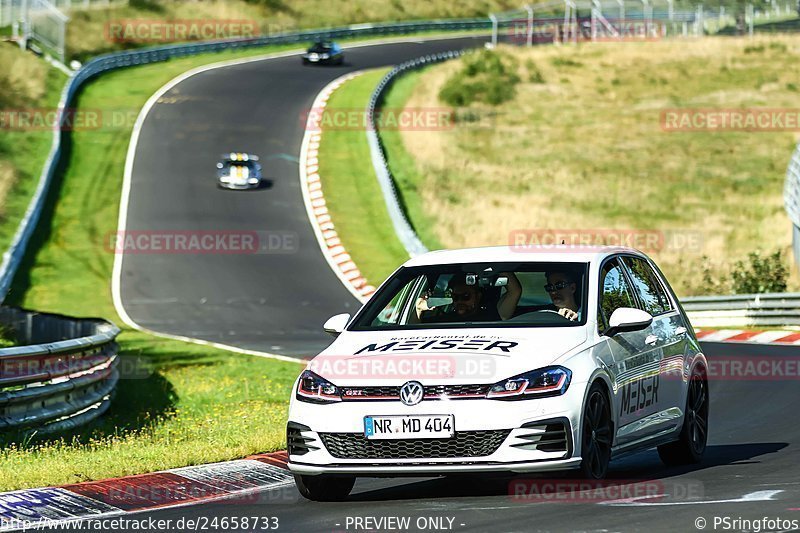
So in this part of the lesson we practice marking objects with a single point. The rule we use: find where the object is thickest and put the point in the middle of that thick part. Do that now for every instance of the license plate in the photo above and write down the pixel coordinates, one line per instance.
(404, 427)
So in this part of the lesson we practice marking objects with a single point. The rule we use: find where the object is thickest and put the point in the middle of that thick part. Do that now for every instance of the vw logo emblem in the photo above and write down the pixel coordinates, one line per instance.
(411, 393)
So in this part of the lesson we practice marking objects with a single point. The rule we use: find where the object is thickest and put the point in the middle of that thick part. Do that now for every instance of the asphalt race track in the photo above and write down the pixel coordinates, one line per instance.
(277, 303)
(750, 471)
(274, 302)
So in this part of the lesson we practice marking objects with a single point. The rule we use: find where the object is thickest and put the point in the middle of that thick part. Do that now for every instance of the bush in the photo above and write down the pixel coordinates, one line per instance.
(757, 274)
(762, 274)
(486, 76)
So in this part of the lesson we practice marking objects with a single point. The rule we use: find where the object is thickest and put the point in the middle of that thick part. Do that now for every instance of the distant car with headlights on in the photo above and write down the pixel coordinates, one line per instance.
(239, 171)
(324, 52)
(498, 359)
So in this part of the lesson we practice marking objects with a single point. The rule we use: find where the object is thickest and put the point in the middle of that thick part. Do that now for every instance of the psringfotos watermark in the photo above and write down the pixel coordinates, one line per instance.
(739, 523)
(163, 30)
(605, 490)
(200, 242)
(532, 240)
(731, 120)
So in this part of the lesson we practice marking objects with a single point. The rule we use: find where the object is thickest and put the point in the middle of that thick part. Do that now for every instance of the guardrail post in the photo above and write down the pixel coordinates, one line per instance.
(529, 9)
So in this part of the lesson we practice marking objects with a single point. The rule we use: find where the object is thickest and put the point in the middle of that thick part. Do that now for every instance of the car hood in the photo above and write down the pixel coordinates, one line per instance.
(444, 356)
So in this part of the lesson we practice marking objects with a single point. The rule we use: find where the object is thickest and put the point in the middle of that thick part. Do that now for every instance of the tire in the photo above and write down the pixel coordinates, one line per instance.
(691, 445)
(324, 488)
(596, 434)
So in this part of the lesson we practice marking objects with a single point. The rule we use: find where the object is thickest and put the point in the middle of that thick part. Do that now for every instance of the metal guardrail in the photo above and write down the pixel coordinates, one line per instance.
(13, 256)
(402, 227)
(63, 380)
(769, 309)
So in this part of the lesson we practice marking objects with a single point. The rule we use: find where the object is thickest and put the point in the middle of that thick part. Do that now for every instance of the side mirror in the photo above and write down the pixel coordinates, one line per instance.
(336, 324)
(628, 319)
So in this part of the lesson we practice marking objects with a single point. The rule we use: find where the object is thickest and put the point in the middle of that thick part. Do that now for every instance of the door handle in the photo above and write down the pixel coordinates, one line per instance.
(680, 330)
(651, 340)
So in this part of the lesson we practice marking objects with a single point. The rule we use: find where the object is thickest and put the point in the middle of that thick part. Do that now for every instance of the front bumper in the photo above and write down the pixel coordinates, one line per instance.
(237, 186)
(521, 424)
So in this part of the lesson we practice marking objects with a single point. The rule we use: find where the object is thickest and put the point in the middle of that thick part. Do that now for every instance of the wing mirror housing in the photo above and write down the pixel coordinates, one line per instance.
(336, 324)
(628, 319)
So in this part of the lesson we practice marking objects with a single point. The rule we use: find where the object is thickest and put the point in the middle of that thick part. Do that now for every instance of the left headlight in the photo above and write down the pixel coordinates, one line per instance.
(548, 381)
(315, 389)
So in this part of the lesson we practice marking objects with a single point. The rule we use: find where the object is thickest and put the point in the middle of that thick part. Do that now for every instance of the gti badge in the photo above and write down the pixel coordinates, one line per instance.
(411, 393)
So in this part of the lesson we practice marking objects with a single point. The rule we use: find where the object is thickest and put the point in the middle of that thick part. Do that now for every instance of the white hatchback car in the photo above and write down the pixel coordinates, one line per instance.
(502, 359)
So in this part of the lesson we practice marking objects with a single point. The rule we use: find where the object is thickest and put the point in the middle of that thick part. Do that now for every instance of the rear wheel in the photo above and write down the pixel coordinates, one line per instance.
(324, 488)
(691, 445)
(596, 434)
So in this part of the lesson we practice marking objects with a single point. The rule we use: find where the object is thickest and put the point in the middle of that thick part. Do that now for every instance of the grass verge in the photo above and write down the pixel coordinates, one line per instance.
(27, 85)
(185, 404)
(352, 193)
(96, 31)
(581, 146)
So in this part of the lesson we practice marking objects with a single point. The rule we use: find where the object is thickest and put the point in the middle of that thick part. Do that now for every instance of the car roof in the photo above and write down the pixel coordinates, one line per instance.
(514, 254)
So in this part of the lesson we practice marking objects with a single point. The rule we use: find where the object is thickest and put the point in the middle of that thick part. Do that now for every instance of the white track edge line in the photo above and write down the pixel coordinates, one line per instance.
(116, 275)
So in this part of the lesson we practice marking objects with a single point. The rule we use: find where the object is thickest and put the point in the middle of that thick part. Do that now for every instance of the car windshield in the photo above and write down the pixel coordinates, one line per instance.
(236, 165)
(321, 47)
(483, 294)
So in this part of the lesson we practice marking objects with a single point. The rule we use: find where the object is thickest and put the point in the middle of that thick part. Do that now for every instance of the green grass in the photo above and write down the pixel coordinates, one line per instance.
(87, 30)
(352, 193)
(23, 152)
(406, 173)
(194, 404)
(583, 148)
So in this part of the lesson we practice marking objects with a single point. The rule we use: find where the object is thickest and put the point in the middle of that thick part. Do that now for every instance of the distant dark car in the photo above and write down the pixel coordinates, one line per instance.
(239, 171)
(325, 52)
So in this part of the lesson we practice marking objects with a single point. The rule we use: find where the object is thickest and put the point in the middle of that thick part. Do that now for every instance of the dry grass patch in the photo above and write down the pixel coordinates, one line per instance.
(582, 147)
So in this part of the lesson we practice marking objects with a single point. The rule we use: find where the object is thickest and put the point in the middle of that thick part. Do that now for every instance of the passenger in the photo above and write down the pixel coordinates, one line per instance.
(562, 287)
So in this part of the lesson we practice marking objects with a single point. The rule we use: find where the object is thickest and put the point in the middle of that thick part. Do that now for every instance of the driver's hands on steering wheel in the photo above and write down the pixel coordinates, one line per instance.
(568, 313)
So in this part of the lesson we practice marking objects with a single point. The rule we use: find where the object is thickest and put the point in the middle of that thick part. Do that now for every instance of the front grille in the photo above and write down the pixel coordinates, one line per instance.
(463, 444)
(456, 390)
(432, 392)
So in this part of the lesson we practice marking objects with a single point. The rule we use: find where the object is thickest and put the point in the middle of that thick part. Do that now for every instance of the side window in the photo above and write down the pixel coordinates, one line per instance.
(651, 292)
(616, 292)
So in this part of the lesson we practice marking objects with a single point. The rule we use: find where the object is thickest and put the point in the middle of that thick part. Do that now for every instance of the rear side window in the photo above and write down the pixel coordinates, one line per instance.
(650, 290)
(616, 292)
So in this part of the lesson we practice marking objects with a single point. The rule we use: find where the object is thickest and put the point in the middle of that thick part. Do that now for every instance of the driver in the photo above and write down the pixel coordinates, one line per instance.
(466, 304)
(561, 287)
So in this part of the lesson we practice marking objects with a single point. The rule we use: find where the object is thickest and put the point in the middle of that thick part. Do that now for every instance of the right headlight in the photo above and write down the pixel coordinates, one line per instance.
(316, 389)
(543, 382)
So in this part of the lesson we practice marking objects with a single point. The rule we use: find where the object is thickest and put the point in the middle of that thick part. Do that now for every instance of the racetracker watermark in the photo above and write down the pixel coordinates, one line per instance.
(68, 119)
(400, 119)
(166, 31)
(534, 240)
(202, 242)
(548, 30)
(743, 368)
(607, 490)
(406, 367)
(745, 119)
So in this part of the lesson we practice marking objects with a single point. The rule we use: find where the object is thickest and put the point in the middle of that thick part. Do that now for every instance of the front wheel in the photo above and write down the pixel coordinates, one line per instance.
(324, 488)
(596, 434)
(691, 445)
